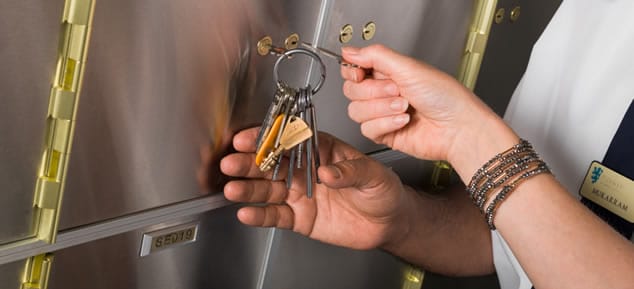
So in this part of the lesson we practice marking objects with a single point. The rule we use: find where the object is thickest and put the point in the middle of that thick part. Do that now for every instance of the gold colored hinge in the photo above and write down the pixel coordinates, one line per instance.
(483, 16)
(413, 278)
(60, 122)
(37, 271)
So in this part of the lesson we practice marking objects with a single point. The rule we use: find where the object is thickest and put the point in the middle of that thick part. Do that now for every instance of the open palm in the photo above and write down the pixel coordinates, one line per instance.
(356, 204)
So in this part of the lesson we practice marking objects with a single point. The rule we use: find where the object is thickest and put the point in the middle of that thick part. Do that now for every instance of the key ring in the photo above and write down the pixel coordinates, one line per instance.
(312, 54)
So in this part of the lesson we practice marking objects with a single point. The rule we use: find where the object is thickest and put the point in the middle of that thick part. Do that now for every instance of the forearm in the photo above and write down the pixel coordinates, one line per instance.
(558, 242)
(445, 234)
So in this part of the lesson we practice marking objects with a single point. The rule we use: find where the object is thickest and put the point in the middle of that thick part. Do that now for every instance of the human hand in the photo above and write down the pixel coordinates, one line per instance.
(359, 203)
(417, 109)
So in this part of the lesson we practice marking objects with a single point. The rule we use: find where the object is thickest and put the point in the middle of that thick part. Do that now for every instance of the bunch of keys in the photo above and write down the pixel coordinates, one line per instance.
(291, 125)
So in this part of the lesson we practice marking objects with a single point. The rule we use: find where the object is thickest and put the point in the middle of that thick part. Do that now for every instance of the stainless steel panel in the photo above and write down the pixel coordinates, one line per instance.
(164, 81)
(298, 262)
(433, 31)
(28, 46)
(11, 274)
(226, 255)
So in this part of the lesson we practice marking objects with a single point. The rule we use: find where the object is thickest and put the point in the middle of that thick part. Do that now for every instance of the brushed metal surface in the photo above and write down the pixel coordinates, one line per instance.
(432, 31)
(298, 262)
(164, 82)
(28, 45)
(11, 274)
(226, 255)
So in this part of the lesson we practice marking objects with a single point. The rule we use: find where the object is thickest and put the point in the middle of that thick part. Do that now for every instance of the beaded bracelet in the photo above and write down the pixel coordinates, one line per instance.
(506, 169)
(517, 168)
(482, 172)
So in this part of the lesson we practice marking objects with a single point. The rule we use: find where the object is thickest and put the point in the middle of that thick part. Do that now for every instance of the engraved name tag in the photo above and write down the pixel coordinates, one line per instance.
(168, 238)
(610, 190)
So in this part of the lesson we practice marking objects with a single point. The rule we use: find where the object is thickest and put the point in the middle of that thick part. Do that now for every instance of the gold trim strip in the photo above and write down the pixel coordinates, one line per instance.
(483, 15)
(64, 97)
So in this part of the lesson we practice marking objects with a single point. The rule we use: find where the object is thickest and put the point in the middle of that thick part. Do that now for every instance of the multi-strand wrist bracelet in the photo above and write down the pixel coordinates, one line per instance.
(505, 170)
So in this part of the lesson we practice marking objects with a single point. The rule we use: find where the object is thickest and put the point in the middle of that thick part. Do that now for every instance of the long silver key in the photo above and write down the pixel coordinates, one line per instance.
(313, 126)
(330, 54)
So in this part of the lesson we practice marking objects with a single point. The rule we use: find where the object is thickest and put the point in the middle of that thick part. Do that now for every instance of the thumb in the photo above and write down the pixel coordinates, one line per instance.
(377, 57)
(361, 173)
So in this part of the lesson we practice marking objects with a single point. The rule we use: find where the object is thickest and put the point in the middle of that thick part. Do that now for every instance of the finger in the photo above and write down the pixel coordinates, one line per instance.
(376, 128)
(359, 173)
(378, 57)
(369, 89)
(280, 216)
(379, 75)
(366, 110)
(256, 191)
(244, 141)
(355, 74)
(243, 165)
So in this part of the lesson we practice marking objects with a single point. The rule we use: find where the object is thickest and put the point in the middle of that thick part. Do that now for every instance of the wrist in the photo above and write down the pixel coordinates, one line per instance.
(479, 143)
(401, 227)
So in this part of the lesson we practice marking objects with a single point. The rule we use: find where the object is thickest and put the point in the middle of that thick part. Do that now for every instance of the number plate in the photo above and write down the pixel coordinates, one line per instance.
(168, 238)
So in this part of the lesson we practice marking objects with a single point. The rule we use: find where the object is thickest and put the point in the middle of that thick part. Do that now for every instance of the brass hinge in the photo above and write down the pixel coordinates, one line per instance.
(62, 109)
(413, 277)
(37, 271)
(483, 16)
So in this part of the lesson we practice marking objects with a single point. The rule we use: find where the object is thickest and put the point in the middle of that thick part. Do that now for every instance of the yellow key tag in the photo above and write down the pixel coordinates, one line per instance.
(295, 132)
(269, 140)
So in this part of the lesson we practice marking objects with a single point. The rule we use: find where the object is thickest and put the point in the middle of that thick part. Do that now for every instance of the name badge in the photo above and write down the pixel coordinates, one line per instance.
(610, 190)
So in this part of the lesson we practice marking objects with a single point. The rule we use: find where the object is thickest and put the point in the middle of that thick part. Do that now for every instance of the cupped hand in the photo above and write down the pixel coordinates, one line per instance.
(359, 203)
(408, 105)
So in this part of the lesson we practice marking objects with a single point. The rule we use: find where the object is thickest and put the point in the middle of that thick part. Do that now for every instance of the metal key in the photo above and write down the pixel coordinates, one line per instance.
(280, 99)
(330, 54)
(313, 126)
(295, 132)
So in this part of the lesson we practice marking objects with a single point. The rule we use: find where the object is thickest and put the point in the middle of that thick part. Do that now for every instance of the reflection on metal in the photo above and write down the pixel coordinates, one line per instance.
(61, 115)
(168, 238)
(368, 31)
(515, 13)
(292, 41)
(499, 15)
(37, 271)
(345, 35)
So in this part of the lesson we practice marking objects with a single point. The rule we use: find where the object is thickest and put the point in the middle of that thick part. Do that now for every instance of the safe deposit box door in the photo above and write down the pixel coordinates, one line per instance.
(29, 32)
(166, 85)
(224, 254)
(432, 31)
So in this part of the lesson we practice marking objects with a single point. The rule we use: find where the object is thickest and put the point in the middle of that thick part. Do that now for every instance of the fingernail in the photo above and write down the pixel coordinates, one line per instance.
(401, 119)
(350, 50)
(398, 105)
(335, 171)
(391, 89)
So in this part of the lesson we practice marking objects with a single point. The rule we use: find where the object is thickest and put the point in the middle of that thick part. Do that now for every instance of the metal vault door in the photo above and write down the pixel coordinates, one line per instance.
(26, 71)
